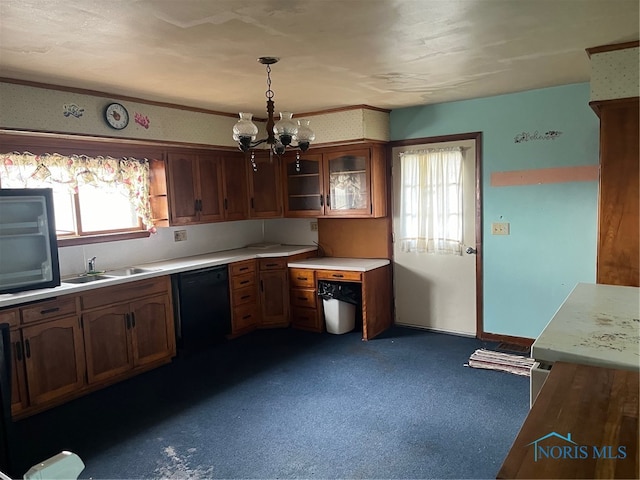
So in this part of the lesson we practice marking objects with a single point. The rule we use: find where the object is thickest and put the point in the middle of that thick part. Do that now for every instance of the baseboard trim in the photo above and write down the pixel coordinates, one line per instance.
(435, 330)
(496, 337)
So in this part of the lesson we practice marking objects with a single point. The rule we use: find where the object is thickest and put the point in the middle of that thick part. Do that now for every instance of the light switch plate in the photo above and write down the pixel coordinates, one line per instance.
(179, 235)
(500, 228)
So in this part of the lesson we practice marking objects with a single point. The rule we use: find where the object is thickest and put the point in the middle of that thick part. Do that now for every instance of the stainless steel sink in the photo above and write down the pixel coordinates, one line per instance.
(85, 279)
(125, 272)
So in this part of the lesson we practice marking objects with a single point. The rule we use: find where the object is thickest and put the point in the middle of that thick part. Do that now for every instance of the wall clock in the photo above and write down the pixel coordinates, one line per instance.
(116, 116)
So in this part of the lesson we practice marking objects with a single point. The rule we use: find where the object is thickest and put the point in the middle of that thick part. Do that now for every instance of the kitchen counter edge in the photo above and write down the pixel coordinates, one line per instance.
(160, 268)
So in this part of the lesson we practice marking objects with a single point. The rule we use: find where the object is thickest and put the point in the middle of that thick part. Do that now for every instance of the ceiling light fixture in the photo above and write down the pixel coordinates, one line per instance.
(284, 133)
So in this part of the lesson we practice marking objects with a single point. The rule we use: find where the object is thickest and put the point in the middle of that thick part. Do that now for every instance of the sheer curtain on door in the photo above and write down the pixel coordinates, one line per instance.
(431, 201)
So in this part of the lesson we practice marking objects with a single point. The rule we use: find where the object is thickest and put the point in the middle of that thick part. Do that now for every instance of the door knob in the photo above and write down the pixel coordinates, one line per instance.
(471, 250)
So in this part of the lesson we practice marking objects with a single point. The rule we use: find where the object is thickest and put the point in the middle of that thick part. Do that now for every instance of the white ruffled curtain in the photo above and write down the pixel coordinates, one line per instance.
(64, 173)
(431, 201)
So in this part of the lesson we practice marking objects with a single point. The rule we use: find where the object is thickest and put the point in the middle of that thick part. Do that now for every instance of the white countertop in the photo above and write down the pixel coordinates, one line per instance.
(335, 263)
(160, 268)
(596, 325)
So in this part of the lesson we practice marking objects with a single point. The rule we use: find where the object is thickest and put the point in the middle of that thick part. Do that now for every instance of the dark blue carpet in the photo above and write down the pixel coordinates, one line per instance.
(291, 404)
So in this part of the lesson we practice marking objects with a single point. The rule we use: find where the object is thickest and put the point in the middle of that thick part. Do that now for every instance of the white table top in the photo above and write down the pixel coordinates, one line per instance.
(596, 325)
(336, 263)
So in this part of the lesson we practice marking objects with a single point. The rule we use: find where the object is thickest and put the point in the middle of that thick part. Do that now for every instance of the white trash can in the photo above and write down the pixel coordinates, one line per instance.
(339, 316)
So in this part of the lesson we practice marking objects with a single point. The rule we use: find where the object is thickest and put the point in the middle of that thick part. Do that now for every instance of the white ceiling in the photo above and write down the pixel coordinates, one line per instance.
(383, 53)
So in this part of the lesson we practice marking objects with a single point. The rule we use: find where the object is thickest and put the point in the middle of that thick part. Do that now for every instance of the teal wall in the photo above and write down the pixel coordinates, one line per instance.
(552, 245)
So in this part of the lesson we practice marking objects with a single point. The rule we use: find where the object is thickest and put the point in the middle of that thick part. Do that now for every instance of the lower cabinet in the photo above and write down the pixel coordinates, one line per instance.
(19, 398)
(71, 345)
(306, 308)
(245, 315)
(122, 337)
(274, 292)
(53, 359)
(133, 329)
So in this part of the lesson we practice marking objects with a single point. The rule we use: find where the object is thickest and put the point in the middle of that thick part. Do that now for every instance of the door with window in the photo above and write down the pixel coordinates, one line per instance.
(434, 225)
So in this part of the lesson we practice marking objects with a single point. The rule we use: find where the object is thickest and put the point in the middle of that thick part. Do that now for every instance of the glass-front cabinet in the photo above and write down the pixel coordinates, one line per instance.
(336, 181)
(304, 195)
(347, 183)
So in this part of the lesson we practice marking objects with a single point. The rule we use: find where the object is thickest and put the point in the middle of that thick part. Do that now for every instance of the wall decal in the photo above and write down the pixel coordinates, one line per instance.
(141, 120)
(528, 137)
(72, 110)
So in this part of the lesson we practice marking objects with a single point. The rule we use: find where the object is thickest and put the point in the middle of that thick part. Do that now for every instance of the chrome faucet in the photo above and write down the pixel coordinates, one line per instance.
(92, 264)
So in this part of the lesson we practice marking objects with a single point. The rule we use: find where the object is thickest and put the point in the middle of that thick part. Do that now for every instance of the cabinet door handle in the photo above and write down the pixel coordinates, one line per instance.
(261, 286)
(304, 299)
(302, 278)
(226, 204)
(18, 347)
(133, 320)
(252, 207)
(272, 264)
(195, 205)
(127, 321)
(243, 268)
(246, 316)
(328, 201)
(244, 297)
(321, 200)
(49, 310)
(27, 348)
(337, 275)
(244, 281)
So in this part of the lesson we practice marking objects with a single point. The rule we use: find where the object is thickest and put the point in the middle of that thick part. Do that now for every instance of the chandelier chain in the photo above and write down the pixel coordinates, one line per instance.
(269, 92)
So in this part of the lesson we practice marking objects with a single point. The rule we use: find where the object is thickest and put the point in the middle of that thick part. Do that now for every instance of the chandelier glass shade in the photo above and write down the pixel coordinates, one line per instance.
(286, 132)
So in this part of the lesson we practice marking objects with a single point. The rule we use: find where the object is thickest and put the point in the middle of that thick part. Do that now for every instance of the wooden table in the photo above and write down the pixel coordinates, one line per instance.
(583, 422)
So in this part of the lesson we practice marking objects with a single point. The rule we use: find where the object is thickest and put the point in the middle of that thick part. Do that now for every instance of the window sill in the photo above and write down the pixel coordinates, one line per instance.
(109, 237)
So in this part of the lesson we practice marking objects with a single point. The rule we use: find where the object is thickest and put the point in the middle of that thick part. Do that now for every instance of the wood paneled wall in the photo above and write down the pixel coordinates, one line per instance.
(618, 260)
(355, 237)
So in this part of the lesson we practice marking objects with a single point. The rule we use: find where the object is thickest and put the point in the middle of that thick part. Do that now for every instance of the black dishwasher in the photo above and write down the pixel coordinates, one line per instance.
(203, 311)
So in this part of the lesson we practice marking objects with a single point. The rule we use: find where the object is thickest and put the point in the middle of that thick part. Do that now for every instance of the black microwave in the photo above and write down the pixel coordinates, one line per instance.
(28, 245)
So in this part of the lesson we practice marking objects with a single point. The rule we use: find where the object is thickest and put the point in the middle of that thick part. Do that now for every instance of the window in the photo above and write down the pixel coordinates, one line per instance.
(431, 201)
(92, 195)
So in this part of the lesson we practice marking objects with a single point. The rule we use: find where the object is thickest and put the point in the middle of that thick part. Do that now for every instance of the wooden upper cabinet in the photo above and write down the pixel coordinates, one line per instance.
(207, 186)
(235, 186)
(265, 187)
(337, 182)
(195, 193)
(618, 260)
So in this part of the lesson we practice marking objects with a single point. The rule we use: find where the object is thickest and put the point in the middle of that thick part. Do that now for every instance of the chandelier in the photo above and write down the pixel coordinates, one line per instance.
(281, 134)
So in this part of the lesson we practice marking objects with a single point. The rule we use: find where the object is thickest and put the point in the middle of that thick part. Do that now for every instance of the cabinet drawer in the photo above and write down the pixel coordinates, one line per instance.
(245, 316)
(301, 277)
(339, 275)
(11, 317)
(243, 281)
(125, 292)
(306, 318)
(50, 309)
(240, 268)
(272, 263)
(242, 296)
(303, 298)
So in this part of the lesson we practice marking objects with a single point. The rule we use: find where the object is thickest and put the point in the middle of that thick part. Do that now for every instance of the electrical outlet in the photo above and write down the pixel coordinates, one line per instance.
(180, 235)
(500, 228)
(314, 226)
